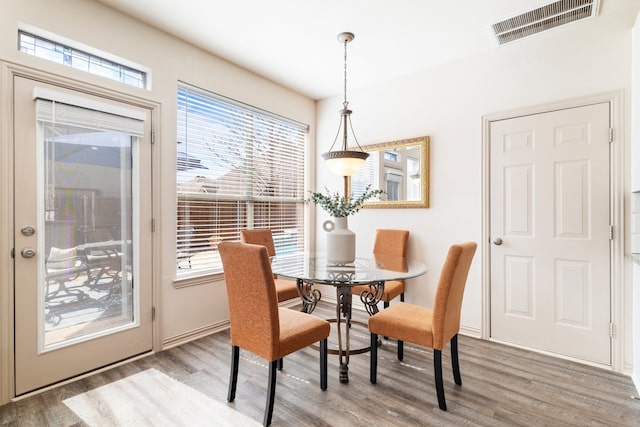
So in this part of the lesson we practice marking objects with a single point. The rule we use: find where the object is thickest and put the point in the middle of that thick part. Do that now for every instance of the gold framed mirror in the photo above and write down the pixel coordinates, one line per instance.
(400, 168)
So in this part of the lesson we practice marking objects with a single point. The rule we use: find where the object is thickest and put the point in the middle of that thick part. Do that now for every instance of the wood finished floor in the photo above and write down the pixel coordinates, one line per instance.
(502, 386)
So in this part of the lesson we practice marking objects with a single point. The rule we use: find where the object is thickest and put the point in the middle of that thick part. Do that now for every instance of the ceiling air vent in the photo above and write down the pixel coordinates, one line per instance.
(544, 18)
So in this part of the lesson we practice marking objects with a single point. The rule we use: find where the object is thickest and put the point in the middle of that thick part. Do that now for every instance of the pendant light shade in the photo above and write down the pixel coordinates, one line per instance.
(345, 162)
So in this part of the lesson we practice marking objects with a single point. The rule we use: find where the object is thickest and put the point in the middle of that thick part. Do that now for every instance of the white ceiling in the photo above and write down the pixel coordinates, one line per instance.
(293, 42)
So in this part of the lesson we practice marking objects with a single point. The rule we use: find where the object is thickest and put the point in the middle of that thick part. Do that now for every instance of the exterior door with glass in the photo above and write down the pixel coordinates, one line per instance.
(82, 230)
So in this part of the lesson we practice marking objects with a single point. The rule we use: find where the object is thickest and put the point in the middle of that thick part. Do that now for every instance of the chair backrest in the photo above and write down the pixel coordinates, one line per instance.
(448, 300)
(259, 236)
(251, 292)
(391, 242)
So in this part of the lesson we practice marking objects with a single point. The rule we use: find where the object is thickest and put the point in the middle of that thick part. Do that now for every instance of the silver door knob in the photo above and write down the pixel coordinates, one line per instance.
(497, 241)
(28, 252)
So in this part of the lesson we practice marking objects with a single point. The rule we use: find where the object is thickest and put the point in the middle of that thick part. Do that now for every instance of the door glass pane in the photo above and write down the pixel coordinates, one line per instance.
(85, 209)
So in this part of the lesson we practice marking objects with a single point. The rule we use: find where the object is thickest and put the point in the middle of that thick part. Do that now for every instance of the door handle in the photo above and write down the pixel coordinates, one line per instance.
(497, 241)
(28, 252)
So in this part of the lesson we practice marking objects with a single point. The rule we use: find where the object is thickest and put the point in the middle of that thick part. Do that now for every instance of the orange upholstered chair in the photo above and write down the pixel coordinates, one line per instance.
(431, 328)
(388, 243)
(285, 289)
(257, 323)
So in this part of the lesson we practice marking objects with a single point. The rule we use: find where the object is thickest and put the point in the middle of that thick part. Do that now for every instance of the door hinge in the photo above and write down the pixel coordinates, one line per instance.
(153, 225)
(153, 137)
(610, 135)
(13, 253)
(153, 313)
(611, 232)
(612, 330)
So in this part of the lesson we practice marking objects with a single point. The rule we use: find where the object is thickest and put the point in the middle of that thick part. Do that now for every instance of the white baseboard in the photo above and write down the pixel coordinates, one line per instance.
(471, 332)
(186, 337)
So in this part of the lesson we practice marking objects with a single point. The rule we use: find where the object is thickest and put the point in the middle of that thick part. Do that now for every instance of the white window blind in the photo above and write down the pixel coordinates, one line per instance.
(366, 175)
(72, 115)
(237, 167)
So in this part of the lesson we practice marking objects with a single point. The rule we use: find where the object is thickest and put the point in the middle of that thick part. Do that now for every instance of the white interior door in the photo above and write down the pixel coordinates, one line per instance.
(82, 233)
(550, 231)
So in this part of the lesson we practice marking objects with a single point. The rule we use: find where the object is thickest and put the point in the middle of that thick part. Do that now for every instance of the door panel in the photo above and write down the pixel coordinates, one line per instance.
(82, 235)
(550, 276)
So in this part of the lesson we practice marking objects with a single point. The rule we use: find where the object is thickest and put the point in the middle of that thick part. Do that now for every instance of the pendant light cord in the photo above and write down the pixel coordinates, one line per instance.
(345, 103)
(345, 120)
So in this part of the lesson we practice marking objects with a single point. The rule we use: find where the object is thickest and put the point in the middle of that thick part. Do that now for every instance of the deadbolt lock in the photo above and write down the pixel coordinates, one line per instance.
(28, 231)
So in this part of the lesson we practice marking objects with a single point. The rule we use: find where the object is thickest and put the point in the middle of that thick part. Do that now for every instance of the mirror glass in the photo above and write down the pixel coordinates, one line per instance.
(400, 168)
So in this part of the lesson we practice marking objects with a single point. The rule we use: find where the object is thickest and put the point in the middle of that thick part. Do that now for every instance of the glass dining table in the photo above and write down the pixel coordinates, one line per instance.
(311, 269)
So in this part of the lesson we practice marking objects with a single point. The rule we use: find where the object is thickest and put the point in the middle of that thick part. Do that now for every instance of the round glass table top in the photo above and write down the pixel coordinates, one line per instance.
(314, 267)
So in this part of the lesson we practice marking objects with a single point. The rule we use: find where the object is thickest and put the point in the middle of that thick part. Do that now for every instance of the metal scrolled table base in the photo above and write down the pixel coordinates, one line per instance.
(369, 298)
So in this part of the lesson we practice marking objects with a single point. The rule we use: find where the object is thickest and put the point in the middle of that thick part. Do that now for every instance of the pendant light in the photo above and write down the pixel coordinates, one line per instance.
(345, 162)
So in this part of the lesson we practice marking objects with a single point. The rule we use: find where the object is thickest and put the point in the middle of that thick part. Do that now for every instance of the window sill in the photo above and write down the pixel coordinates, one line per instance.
(203, 279)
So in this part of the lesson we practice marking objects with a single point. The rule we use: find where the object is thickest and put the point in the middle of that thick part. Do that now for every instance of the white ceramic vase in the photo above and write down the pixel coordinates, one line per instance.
(341, 242)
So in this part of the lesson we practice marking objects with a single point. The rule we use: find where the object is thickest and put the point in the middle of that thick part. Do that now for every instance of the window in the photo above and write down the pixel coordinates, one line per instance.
(393, 183)
(413, 181)
(89, 160)
(391, 156)
(237, 167)
(67, 55)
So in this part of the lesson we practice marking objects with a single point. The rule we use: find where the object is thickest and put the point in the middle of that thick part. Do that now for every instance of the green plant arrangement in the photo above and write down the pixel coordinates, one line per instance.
(339, 206)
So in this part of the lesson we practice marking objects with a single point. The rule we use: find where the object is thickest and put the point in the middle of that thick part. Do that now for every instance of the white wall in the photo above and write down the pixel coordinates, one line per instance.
(183, 310)
(448, 103)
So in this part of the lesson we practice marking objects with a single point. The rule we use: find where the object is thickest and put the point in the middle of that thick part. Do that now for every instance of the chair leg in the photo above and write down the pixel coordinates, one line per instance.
(402, 297)
(454, 360)
(385, 304)
(400, 350)
(271, 392)
(437, 367)
(323, 364)
(280, 363)
(233, 380)
(373, 364)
